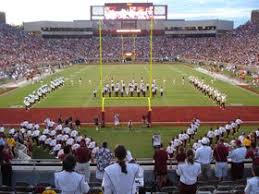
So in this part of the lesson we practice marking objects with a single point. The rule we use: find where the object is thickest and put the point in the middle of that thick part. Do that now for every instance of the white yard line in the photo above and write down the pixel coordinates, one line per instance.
(221, 77)
(224, 78)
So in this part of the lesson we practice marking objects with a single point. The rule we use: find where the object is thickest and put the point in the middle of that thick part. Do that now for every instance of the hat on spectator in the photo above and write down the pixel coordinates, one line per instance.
(204, 141)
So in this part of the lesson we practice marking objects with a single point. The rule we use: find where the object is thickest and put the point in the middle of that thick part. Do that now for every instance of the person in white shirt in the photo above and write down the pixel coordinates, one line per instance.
(237, 157)
(120, 177)
(188, 172)
(203, 155)
(35, 136)
(238, 122)
(69, 181)
(211, 135)
(190, 132)
(252, 186)
(228, 128)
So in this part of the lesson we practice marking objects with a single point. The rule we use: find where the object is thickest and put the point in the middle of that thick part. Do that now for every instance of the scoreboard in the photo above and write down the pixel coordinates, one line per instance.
(129, 11)
(125, 11)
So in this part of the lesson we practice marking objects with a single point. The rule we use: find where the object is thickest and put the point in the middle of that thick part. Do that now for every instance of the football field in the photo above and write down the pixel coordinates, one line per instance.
(76, 93)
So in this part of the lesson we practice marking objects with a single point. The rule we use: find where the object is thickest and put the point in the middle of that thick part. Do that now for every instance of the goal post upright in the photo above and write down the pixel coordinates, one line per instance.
(150, 73)
(102, 99)
(150, 69)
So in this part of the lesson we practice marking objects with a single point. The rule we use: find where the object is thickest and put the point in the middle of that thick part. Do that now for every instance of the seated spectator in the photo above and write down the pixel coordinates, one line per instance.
(69, 181)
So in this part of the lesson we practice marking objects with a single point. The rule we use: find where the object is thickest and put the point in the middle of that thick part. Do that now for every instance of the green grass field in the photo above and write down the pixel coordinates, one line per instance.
(138, 141)
(80, 95)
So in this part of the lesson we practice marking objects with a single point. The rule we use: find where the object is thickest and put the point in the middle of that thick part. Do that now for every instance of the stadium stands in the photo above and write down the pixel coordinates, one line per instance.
(23, 53)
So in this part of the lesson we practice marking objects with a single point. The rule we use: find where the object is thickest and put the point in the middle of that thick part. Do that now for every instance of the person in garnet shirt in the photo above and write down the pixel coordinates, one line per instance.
(83, 157)
(220, 154)
(6, 166)
(180, 155)
(160, 169)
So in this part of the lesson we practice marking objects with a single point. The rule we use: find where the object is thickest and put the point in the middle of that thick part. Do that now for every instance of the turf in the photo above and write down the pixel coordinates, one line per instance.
(80, 95)
(138, 140)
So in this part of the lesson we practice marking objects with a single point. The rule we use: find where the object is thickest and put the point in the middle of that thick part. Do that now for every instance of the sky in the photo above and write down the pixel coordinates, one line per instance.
(18, 11)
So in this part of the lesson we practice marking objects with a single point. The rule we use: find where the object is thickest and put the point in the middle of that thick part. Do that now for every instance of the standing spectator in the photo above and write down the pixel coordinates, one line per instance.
(170, 151)
(77, 123)
(252, 186)
(119, 178)
(203, 156)
(6, 166)
(11, 143)
(188, 172)
(237, 156)
(220, 154)
(253, 153)
(96, 123)
(160, 170)
(130, 125)
(180, 155)
(66, 151)
(103, 159)
(69, 181)
(116, 120)
(83, 157)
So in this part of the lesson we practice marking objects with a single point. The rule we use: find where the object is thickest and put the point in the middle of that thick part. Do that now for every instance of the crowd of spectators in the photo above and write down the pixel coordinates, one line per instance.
(22, 52)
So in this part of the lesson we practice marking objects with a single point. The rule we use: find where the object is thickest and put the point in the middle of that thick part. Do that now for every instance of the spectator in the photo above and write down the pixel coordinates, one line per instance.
(66, 151)
(160, 169)
(252, 186)
(83, 157)
(237, 157)
(120, 177)
(220, 154)
(253, 153)
(77, 123)
(204, 156)
(103, 159)
(188, 172)
(6, 166)
(69, 181)
(180, 155)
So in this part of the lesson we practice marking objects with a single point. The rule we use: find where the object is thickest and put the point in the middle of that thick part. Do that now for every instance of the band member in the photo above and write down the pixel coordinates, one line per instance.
(112, 86)
(110, 93)
(138, 92)
(147, 86)
(116, 91)
(144, 92)
(122, 92)
(94, 93)
(131, 91)
(161, 91)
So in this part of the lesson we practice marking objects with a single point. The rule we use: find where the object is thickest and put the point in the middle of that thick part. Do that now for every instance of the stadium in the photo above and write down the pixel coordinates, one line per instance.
(177, 94)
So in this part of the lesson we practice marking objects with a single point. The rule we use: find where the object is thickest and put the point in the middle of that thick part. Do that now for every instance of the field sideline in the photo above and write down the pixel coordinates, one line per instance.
(80, 95)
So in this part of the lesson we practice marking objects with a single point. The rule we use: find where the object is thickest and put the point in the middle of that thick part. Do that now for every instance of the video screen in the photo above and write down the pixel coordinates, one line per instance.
(142, 11)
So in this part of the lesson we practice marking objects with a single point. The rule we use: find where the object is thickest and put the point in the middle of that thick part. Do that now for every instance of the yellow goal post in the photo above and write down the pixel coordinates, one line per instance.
(150, 72)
